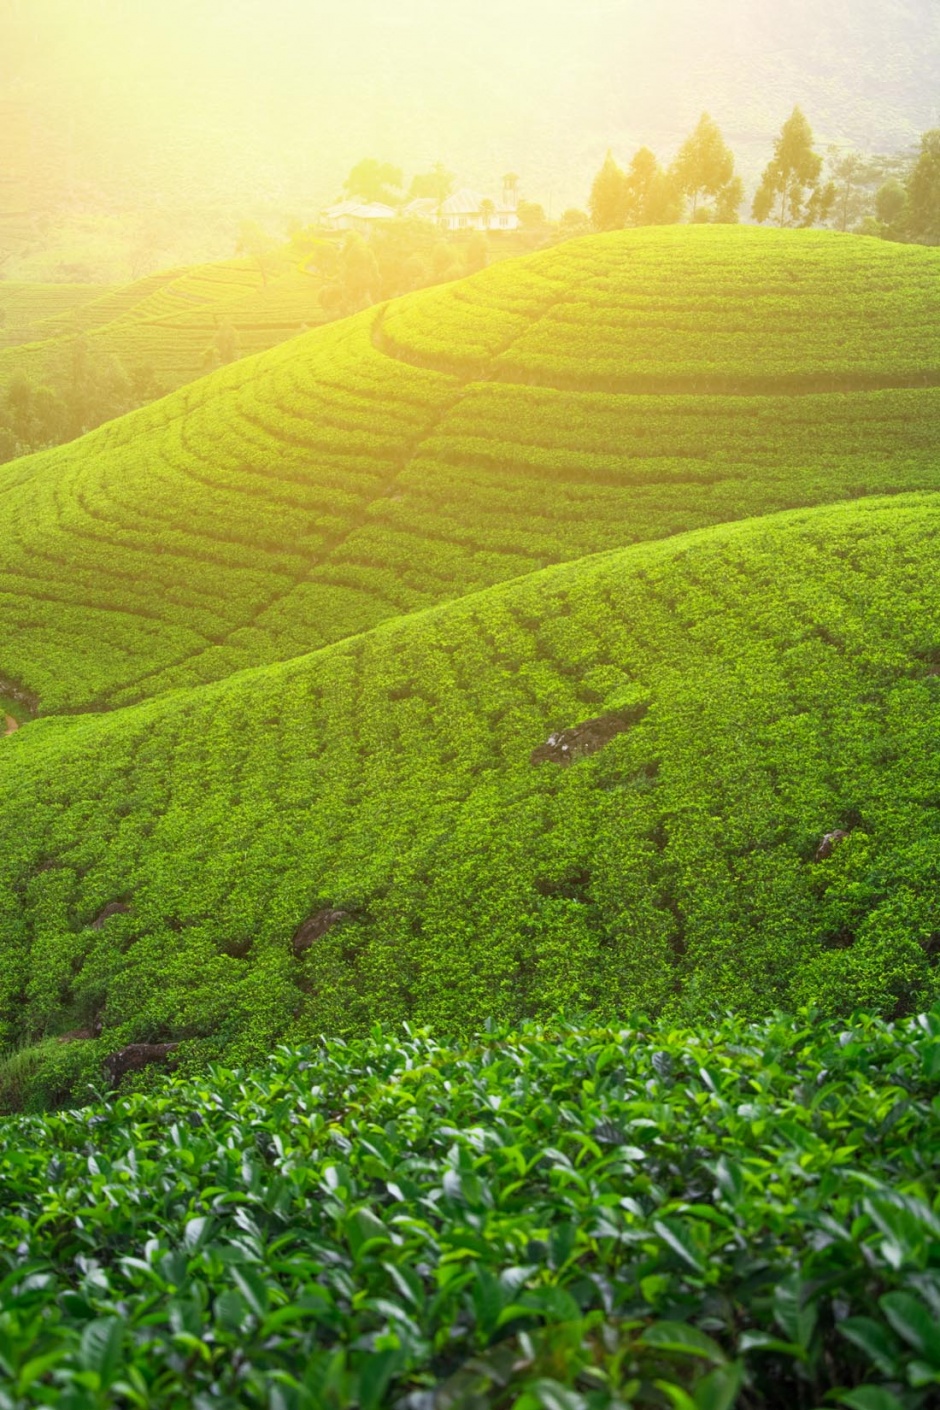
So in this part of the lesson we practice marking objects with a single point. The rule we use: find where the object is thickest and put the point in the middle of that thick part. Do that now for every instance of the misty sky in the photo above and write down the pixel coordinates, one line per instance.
(277, 98)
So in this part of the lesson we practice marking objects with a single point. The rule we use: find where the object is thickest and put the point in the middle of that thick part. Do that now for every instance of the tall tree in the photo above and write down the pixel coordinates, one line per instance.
(609, 199)
(436, 184)
(705, 164)
(360, 273)
(258, 245)
(372, 180)
(891, 204)
(791, 189)
(652, 195)
(848, 171)
(923, 192)
(728, 205)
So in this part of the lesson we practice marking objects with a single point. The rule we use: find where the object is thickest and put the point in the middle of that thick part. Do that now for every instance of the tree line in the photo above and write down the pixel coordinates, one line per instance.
(92, 386)
(897, 198)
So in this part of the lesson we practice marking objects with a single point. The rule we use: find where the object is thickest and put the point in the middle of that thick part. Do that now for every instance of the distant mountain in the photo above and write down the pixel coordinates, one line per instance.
(226, 99)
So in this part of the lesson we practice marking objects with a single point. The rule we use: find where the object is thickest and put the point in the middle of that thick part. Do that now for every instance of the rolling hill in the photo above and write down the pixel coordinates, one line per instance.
(676, 777)
(30, 309)
(165, 323)
(617, 389)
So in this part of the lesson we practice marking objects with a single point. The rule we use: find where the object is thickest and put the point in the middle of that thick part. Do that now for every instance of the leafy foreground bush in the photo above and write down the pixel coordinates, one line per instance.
(557, 1218)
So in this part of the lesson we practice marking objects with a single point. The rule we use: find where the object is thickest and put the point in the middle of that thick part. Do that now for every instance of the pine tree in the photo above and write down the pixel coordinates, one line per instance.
(705, 164)
(791, 189)
(608, 201)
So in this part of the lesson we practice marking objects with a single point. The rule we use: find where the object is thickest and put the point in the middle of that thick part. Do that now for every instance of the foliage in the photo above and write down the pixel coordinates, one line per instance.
(643, 195)
(568, 1216)
(652, 194)
(705, 168)
(891, 202)
(373, 180)
(923, 212)
(531, 216)
(89, 359)
(857, 181)
(93, 388)
(608, 200)
(436, 184)
(728, 204)
(779, 684)
(259, 246)
(571, 402)
(793, 178)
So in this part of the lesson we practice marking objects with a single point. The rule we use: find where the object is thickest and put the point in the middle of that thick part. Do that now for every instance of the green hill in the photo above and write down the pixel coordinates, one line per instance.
(616, 389)
(27, 310)
(165, 323)
(745, 815)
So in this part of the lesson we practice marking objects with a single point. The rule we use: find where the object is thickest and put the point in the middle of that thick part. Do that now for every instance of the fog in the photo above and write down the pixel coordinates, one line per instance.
(273, 100)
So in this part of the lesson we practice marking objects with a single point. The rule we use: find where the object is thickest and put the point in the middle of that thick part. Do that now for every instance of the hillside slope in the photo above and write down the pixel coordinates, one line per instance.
(165, 323)
(392, 828)
(26, 310)
(616, 389)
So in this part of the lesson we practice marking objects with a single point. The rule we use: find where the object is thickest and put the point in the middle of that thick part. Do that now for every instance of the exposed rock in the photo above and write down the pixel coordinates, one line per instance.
(10, 725)
(135, 1057)
(113, 908)
(829, 844)
(82, 1035)
(566, 746)
(315, 927)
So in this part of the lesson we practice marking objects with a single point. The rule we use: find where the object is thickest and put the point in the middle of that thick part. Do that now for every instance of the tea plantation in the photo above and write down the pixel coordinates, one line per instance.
(531, 684)
(617, 389)
(564, 1218)
(165, 323)
(406, 796)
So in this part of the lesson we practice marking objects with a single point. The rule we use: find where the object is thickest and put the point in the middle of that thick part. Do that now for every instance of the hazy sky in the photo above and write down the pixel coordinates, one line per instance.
(277, 98)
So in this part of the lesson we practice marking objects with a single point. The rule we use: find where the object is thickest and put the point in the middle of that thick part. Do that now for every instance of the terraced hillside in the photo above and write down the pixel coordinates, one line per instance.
(165, 322)
(680, 776)
(617, 389)
(29, 310)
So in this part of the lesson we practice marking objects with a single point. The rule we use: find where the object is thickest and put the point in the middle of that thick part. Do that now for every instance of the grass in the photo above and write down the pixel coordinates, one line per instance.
(573, 1216)
(775, 682)
(428, 449)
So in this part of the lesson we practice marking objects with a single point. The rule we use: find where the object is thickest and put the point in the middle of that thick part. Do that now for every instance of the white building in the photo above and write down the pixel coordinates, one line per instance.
(464, 210)
(357, 215)
(469, 210)
(422, 208)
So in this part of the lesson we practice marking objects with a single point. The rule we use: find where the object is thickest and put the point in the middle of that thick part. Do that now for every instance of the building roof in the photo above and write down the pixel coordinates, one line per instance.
(360, 210)
(462, 202)
(422, 206)
(468, 202)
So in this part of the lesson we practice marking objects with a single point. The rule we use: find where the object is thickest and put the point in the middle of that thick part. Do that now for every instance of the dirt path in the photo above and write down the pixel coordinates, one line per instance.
(11, 725)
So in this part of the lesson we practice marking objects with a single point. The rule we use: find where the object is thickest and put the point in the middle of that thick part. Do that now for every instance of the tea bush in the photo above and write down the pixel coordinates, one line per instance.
(163, 330)
(777, 681)
(567, 1216)
(617, 389)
